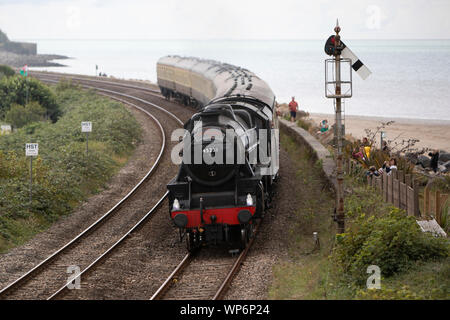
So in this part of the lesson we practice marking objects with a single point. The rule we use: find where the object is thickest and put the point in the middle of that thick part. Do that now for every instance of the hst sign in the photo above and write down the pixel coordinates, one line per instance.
(31, 149)
(86, 126)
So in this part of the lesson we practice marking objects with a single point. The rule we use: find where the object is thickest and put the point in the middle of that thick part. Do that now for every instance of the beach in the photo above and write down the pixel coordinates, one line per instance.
(434, 134)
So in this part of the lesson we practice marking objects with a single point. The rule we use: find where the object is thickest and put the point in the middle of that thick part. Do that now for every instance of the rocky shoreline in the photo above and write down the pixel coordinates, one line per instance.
(38, 60)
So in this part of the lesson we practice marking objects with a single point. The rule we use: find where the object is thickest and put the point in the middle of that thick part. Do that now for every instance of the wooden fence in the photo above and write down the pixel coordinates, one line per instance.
(397, 188)
(401, 190)
(438, 200)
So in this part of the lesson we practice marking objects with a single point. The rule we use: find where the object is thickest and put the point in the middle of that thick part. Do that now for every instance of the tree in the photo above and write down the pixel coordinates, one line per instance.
(19, 115)
(15, 90)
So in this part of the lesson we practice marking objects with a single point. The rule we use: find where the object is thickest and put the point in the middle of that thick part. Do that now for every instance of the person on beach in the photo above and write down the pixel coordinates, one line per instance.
(434, 159)
(365, 142)
(277, 108)
(389, 166)
(367, 151)
(293, 106)
(323, 126)
(366, 147)
(372, 172)
(358, 154)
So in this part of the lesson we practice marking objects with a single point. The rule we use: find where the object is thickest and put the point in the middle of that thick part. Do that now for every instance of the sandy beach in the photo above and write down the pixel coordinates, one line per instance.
(431, 133)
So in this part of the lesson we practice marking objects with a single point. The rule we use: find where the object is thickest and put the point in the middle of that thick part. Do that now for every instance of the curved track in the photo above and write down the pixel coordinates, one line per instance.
(35, 283)
(183, 282)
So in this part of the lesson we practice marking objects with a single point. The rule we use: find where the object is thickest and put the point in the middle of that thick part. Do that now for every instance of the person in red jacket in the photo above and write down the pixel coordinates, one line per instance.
(293, 106)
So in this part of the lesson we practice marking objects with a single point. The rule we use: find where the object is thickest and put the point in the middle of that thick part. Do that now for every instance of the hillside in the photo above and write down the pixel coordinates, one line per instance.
(17, 54)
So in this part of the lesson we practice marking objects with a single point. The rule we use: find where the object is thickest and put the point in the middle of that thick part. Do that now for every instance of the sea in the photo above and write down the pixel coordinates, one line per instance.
(410, 78)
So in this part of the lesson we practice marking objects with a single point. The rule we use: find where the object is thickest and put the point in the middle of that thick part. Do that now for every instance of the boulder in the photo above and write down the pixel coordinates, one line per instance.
(444, 157)
(447, 166)
(412, 157)
(442, 168)
(424, 161)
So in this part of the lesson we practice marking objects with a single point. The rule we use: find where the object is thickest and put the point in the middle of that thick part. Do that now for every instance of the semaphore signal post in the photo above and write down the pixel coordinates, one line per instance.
(338, 86)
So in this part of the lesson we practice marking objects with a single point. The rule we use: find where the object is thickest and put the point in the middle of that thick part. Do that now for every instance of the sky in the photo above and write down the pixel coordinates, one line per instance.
(224, 19)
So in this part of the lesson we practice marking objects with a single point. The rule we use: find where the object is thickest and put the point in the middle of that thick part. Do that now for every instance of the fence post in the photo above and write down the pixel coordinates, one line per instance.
(416, 197)
(401, 176)
(437, 206)
(426, 201)
(408, 180)
(396, 189)
(385, 187)
(403, 195)
(389, 188)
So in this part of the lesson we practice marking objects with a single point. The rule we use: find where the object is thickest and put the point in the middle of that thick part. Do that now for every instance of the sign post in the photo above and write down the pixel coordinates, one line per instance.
(382, 135)
(31, 150)
(86, 126)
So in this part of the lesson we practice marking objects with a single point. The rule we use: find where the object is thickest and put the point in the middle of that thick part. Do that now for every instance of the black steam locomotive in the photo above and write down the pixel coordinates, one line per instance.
(229, 150)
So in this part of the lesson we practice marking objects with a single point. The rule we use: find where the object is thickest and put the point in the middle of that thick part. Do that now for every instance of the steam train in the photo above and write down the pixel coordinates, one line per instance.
(228, 152)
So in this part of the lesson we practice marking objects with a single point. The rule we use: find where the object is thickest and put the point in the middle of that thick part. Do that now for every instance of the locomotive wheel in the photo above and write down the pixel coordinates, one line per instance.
(244, 237)
(251, 232)
(189, 242)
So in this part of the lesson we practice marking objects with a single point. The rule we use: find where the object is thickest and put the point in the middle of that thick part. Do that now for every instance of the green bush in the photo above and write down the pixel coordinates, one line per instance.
(15, 90)
(392, 242)
(62, 174)
(6, 71)
(19, 115)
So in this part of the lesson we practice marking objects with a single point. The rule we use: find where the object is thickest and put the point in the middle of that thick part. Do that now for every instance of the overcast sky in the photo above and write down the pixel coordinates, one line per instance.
(224, 19)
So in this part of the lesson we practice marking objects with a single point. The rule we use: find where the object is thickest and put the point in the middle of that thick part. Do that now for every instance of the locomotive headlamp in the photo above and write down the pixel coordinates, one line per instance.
(249, 200)
(176, 204)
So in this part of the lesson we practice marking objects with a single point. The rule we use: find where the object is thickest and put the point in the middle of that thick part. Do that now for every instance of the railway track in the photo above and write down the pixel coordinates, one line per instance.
(203, 275)
(45, 280)
(183, 282)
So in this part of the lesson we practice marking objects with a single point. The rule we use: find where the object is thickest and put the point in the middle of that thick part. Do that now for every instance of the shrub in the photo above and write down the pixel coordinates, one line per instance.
(6, 71)
(445, 216)
(388, 294)
(14, 90)
(392, 242)
(66, 84)
(62, 174)
(19, 115)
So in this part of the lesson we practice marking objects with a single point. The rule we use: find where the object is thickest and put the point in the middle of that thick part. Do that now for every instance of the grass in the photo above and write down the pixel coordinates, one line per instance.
(425, 280)
(309, 274)
(63, 177)
(300, 277)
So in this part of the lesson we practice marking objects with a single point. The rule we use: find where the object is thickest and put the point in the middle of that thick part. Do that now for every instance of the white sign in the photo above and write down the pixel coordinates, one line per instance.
(31, 149)
(86, 126)
(5, 128)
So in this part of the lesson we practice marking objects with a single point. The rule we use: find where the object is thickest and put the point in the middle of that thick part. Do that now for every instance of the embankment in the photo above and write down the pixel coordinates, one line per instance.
(318, 151)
